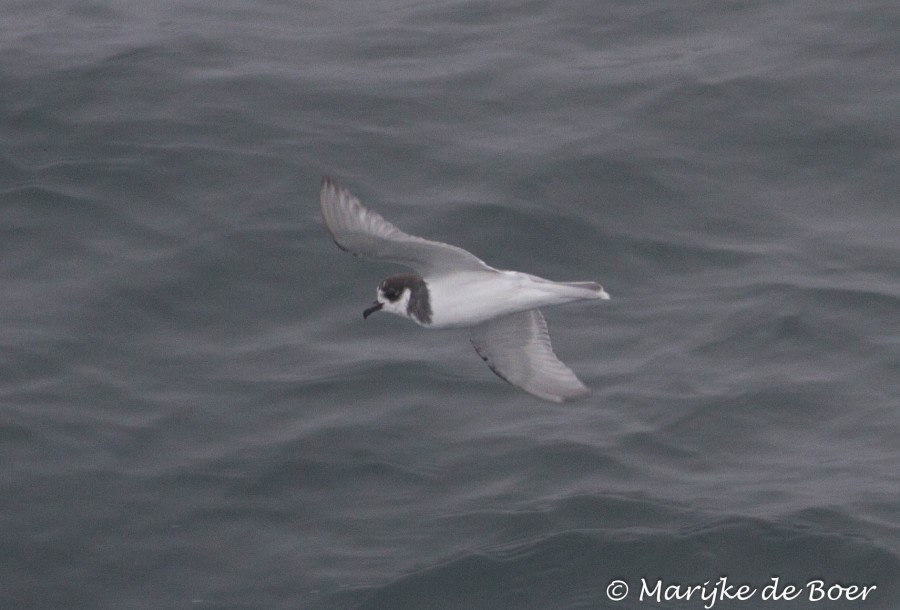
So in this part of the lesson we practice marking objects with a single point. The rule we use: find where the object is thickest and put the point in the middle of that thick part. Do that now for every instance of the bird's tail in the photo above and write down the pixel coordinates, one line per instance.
(592, 290)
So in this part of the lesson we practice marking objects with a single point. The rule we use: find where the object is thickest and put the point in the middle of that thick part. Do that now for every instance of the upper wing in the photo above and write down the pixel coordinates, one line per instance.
(364, 232)
(517, 348)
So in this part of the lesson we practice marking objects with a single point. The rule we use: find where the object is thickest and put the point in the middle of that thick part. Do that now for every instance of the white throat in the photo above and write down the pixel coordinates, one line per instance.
(399, 307)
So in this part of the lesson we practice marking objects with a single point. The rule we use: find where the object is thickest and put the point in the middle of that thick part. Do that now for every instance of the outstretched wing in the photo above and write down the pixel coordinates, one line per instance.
(517, 348)
(363, 232)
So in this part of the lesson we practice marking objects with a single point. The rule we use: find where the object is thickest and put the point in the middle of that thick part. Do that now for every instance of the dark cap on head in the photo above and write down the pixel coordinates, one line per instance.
(392, 288)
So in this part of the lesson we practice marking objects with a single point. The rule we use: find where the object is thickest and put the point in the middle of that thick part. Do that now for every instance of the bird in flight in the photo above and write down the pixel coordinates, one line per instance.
(450, 287)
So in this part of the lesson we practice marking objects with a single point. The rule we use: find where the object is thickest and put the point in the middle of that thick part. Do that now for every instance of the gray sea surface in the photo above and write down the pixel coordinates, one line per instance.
(193, 413)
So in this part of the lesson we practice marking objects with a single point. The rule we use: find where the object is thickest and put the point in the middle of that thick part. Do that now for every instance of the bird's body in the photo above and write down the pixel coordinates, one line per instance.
(453, 288)
(457, 299)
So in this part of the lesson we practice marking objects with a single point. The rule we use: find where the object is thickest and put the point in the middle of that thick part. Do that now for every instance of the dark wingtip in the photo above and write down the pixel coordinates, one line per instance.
(340, 246)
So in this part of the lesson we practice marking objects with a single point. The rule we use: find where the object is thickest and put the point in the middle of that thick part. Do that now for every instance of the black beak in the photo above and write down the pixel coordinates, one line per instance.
(372, 309)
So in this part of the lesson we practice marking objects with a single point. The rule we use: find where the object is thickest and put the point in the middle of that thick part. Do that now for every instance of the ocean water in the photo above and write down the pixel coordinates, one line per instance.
(193, 413)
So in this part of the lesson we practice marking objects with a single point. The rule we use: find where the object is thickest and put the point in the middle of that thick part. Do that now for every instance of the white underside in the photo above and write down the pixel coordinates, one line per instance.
(468, 298)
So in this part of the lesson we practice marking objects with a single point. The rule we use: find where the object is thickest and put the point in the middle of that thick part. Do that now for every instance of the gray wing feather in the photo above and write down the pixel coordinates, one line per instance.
(517, 348)
(363, 232)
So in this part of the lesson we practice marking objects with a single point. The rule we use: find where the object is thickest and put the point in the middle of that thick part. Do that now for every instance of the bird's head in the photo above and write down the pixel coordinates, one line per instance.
(405, 295)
